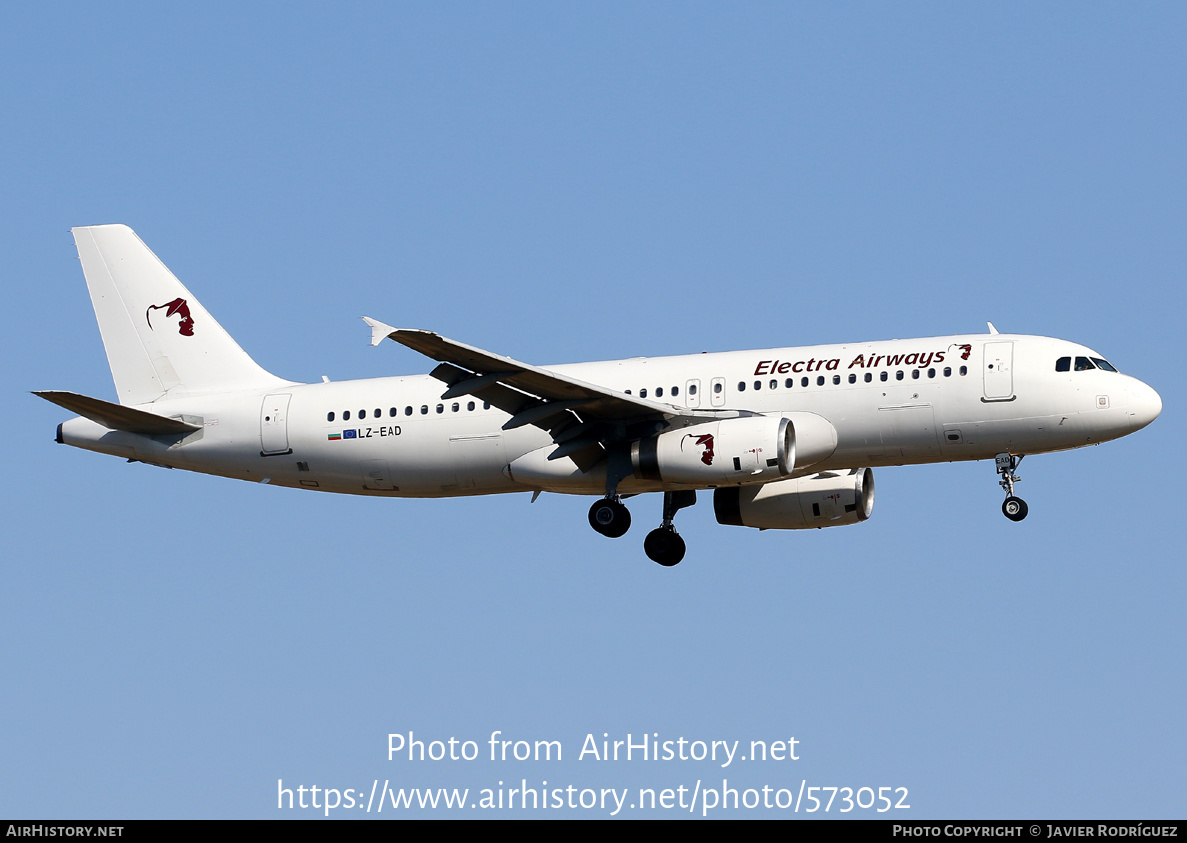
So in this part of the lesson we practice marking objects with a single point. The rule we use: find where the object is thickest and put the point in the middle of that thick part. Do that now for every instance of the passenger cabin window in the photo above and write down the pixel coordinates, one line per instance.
(774, 384)
(741, 386)
(659, 392)
(947, 371)
(393, 411)
(914, 374)
(717, 387)
(346, 415)
(642, 393)
(836, 379)
(424, 409)
(869, 377)
(330, 416)
(803, 381)
(1063, 364)
(789, 383)
(898, 376)
(692, 389)
(964, 370)
(820, 380)
(408, 411)
(676, 391)
(470, 406)
(884, 376)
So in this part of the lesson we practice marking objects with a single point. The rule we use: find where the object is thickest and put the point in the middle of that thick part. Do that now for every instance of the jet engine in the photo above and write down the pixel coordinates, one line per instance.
(827, 499)
(752, 449)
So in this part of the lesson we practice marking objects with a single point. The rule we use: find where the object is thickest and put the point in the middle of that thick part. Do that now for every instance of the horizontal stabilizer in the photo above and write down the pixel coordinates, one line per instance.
(117, 416)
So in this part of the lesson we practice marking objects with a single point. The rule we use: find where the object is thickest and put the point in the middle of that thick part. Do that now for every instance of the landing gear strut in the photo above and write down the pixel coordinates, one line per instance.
(1013, 507)
(663, 544)
(608, 516)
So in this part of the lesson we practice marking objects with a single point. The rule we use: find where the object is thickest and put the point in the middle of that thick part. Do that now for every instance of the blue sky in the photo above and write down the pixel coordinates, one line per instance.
(564, 182)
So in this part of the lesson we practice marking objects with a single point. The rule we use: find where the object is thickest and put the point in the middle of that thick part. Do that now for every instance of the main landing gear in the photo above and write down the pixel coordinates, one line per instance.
(1013, 507)
(663, 544)
(609, 517)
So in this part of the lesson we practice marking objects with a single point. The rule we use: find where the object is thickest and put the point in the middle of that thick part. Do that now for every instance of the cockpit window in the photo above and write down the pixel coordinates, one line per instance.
(1103, 364)
(1083, 364)
(1063, 364)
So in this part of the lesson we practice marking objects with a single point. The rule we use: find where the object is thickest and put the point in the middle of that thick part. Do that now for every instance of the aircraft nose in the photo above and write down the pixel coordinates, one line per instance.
(1144, 405)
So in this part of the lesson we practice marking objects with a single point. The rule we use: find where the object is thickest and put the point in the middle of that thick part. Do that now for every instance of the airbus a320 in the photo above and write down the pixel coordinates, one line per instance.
(785, 438)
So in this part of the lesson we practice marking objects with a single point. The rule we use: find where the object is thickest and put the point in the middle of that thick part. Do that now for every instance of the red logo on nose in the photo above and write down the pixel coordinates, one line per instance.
(185, 326)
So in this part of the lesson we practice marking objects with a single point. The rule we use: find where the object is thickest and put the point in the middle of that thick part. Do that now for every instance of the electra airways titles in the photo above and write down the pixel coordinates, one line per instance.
(786, 438)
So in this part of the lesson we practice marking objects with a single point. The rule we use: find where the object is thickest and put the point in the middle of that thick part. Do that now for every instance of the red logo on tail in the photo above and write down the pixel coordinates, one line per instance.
(185, 326)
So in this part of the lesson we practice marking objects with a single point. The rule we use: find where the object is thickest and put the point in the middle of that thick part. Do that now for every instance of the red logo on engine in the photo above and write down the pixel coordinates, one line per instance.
(185, 326)
(705, 441)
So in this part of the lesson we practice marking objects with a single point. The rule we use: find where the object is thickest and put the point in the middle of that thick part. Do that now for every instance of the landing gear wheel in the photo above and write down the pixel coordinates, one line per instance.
(610, 518)
(1014, 508)
(664, 545)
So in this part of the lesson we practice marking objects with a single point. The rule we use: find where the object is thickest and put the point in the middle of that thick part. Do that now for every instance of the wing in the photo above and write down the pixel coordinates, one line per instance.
(580, 416)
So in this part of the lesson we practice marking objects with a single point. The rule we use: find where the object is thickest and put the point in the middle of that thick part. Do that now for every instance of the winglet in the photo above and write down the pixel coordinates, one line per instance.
(992, 329)
(379, 331)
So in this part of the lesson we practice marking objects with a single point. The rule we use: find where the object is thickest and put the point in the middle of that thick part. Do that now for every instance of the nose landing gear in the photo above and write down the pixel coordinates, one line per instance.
(663, 544)
(1013, 507)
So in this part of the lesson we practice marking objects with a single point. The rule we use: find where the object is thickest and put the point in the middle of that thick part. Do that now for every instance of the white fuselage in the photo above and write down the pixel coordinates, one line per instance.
(895, 402)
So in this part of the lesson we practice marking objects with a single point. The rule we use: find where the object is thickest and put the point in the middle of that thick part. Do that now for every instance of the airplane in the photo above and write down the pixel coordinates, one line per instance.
(785, 438)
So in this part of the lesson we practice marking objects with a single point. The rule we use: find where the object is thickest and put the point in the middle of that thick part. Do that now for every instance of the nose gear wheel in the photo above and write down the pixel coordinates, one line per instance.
(1013, 507)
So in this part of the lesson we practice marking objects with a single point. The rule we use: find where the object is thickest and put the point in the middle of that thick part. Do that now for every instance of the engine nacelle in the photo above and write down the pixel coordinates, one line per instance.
(753, 449)
(828, 499)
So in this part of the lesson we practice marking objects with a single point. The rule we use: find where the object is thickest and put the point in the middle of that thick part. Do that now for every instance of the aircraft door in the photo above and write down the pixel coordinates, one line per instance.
(909, 430)
(479, 460)
(692, 393)
(274, 435)
(998, 371)
(717, 398)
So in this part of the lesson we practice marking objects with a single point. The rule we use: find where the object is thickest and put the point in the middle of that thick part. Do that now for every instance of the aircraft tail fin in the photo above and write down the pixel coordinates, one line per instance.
(158, 337)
